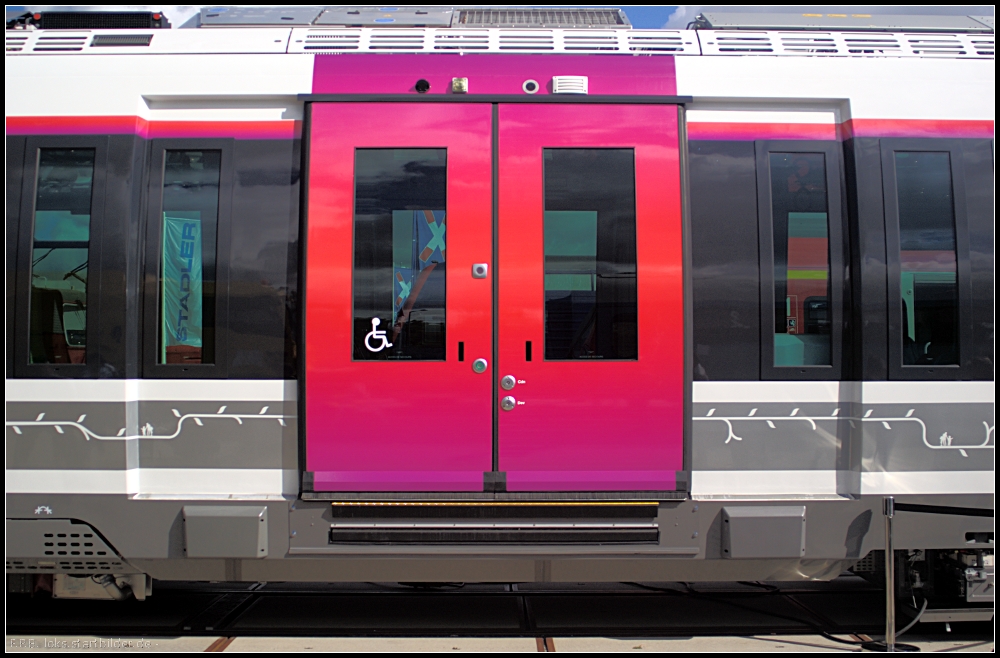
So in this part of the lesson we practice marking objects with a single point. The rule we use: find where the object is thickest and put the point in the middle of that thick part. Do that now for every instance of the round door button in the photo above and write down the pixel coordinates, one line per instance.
(479, 366)
(508, 403)
(508, 382)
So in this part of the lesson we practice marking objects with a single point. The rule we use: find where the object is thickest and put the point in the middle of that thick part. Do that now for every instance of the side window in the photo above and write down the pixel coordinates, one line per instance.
(927, 258)
(189, 190)
(59, 253)
(801, 251)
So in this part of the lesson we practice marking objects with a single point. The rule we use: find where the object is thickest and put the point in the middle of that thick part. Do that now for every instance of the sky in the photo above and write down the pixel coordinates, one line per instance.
(643, 17)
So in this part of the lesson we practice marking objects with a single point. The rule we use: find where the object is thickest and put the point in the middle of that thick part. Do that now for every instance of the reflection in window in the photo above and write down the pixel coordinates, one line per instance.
(59, 256)
(928, 267)
(187, 260)
(801, 259)
(400, 244)
(590, 267)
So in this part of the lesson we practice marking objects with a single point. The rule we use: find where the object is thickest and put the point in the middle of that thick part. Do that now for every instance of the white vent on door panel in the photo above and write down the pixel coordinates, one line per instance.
(396, 40)
(569, 84)
(540, 40)
(60, 43)
(462, 40)
(332, 40)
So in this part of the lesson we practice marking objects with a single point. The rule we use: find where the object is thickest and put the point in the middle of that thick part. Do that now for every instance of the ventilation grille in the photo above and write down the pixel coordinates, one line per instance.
(15, 43)
(29, 565)
(92, 20)
(540, 18)
(674, 42)
(57, 43)
(569, 84)
(845, 44)
(120, 40)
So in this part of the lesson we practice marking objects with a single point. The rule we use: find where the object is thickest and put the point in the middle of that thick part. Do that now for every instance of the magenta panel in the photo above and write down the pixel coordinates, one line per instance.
(491, 74)
(397, 425)
(592, 425)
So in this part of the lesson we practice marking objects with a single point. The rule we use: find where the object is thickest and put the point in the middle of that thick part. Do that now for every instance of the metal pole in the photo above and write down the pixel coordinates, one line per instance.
(888, 509)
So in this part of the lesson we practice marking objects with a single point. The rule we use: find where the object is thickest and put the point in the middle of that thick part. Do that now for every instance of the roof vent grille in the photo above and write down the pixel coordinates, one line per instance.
(946, 45)
(111, 40)
(872, 44)
(574, 18)
(534, 40)
(739, 42)
(100, 20)
(462, 40)
(809, 44)
(590, 42)
(983, 45)
(397, 40)
(655, 41)
(14, 43)
(56, 43)
(332, 40)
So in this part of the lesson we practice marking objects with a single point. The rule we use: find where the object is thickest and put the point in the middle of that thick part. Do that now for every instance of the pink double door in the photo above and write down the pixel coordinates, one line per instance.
(493, 298)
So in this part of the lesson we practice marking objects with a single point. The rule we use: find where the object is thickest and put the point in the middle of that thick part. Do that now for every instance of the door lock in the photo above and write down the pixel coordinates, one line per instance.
(508, 382)
(479, 366)
(508, 403)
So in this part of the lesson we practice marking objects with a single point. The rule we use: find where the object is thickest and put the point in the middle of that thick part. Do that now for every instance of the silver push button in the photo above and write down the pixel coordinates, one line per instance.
(480, 270)
(479, 366)
(508, 382)
(508, 403)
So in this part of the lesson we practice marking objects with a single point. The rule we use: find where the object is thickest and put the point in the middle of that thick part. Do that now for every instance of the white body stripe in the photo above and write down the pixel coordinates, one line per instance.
(889, 88)
(763, 483)
(896, 392)
(166, 390)
(933, 392)
(158, 482)
(118, 85)
(928, 482)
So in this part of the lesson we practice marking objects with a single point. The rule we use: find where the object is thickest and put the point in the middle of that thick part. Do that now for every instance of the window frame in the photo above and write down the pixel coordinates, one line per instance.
(837, 234)
(151, 267)
(964, 368)
(29, 197)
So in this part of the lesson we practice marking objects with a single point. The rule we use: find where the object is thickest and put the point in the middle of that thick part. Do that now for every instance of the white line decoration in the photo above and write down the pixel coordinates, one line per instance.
(147, 431)
(945, 441)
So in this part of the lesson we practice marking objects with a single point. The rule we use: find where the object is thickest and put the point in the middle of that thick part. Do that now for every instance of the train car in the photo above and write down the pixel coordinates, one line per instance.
(481, 295)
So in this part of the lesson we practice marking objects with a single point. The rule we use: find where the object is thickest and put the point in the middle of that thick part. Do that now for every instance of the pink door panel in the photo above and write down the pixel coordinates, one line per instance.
(599, 405)
(394, 409)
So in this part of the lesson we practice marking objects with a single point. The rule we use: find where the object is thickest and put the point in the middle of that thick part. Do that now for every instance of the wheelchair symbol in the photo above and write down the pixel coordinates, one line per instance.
(378, 335)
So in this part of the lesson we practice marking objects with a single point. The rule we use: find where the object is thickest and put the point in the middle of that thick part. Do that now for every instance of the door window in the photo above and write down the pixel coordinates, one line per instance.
(927, 258)
(590, 257)
(60, 256)
(801, 259)
(187, 262)
(400, 249)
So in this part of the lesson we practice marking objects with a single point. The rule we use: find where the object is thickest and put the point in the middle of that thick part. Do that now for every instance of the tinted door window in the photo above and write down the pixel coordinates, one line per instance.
(927, 258)
(60, 256)
(187, 258)
(590, 258)
(400, 249)
(801, 259)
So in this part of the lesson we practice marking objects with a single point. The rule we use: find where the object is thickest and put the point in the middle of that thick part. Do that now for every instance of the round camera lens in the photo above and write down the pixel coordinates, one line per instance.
(422, 86)
(529, 86)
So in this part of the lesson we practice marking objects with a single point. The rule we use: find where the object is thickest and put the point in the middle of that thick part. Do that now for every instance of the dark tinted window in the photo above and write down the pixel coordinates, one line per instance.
(60, 256)
(590, 268)
(801, 259)
(927, 256)
(400, 244)
(188, 257)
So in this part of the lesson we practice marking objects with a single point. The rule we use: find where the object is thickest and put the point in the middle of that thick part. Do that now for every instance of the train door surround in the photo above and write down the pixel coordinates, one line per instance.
(532, 380)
